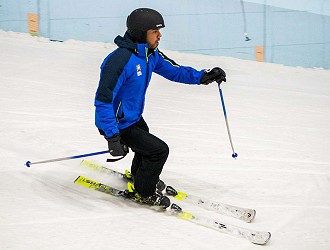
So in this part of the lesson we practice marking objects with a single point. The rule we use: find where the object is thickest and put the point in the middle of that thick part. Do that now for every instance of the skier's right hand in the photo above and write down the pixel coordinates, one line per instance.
(213, 75)
(116, 148)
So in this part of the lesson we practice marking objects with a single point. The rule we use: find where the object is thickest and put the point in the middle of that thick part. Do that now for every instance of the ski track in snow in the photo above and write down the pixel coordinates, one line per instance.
(279, 120)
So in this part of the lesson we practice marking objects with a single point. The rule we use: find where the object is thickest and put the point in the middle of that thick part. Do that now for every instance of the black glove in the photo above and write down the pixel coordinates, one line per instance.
(211, 75)
(116, 148)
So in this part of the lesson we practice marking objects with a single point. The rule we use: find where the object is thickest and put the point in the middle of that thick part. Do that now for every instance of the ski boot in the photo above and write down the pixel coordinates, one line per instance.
(157, 199)
(130, 177)
(160, 186)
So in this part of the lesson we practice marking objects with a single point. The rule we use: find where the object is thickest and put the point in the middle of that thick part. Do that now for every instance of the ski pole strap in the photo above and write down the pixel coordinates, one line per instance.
(116, 159)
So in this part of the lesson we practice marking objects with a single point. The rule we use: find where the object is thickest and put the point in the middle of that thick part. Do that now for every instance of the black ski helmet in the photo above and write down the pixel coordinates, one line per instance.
(141, 20)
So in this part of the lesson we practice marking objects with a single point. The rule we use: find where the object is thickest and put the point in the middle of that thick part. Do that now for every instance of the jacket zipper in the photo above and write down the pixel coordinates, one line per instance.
(147, 73)
(117, 118)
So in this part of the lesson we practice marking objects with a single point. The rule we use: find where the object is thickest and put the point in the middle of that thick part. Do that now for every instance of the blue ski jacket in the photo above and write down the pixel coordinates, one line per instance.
(124, 79)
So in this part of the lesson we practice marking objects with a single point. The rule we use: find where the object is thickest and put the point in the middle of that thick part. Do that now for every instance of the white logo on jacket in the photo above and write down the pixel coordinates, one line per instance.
(138, 70)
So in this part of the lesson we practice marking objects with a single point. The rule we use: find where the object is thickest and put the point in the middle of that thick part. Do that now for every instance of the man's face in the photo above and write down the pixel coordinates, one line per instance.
(153, 38)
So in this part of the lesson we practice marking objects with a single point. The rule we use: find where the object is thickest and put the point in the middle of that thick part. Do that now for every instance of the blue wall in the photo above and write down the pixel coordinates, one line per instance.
(295, 34)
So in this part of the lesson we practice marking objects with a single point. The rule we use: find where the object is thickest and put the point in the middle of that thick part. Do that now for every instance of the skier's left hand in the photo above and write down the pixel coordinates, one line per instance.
(211, 75)
(116, 148)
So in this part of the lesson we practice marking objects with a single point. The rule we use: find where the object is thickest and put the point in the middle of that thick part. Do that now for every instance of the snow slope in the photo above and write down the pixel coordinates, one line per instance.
(279, 120)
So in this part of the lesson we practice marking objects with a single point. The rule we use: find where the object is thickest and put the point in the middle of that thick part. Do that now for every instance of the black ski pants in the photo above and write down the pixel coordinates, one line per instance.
(150, 155)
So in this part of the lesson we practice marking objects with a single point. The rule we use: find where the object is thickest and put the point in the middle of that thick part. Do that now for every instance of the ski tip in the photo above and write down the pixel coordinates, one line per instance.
(263, 239)
(28, 164)
(269, 236)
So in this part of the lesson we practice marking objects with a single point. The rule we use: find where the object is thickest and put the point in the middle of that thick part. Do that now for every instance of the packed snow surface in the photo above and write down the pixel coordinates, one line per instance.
(279, 119)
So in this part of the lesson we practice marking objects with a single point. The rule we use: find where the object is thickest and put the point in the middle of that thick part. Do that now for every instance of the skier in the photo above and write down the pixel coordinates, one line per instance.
(120, 97)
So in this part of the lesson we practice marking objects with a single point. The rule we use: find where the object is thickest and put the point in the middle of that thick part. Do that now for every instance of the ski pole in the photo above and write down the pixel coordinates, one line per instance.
(234, 155)
(28, 163)
(244, 20)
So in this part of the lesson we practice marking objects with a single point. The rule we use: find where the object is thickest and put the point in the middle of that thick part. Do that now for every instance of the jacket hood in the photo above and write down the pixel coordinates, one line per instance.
(127, 42)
